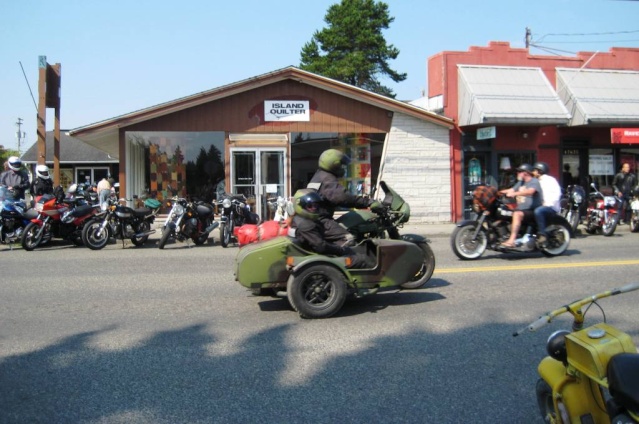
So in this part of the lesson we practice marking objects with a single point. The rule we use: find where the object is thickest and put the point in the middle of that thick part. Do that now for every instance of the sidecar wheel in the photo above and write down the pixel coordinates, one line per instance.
(143, 228)
(463, 244)
(558, 240)
(317, 291)
(166, 233)
(610, 225)
(634, 222)
(545, 401)
(30, 239)
(426, 271)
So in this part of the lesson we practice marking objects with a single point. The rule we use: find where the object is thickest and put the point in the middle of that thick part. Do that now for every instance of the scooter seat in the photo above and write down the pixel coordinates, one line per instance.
(623, 380)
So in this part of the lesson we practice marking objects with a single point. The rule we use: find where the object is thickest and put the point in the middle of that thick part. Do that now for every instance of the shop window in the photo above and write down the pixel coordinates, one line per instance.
(601, 167)
(508, 163)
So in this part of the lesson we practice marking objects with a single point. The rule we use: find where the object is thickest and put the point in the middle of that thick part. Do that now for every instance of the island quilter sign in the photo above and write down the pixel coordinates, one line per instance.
(624, 135)
(286, 110)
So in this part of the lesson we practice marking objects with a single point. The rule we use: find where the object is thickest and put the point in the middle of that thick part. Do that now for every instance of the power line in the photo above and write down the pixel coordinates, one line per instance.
(27, 80)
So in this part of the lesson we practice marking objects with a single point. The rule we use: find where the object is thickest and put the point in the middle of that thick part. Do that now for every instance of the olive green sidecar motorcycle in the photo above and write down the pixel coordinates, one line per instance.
(316, 285)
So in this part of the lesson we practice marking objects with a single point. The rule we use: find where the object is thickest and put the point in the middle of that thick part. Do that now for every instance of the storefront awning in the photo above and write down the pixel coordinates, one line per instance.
(600, 97)
(505, 95)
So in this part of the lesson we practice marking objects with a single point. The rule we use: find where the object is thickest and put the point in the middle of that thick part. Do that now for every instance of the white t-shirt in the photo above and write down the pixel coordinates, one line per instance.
(550, 192)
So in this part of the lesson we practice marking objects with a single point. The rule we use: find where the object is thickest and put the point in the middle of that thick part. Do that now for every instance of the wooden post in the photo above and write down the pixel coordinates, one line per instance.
(57, 70)
(42, 109)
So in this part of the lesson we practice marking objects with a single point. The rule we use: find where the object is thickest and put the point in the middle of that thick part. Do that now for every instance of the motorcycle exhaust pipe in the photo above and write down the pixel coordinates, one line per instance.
(212, 227)
(146, 233)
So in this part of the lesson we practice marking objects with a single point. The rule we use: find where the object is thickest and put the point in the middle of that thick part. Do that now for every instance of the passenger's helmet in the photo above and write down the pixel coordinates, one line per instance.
(14, 163)
(542, 167)
(525, 168)
(333, 161)
(307, 203)
(42, 171)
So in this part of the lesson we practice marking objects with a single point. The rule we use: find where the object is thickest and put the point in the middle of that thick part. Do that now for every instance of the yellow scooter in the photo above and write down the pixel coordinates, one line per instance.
(591, 374)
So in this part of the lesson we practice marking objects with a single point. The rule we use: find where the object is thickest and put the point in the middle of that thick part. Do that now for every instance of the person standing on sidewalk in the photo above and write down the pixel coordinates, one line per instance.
(623, 184)
(104, 191)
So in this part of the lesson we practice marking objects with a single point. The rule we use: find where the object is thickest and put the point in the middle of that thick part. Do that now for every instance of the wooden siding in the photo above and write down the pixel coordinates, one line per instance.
(244, 112)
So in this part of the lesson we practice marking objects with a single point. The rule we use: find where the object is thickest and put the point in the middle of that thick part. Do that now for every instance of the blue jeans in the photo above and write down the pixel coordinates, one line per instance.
(541, 214)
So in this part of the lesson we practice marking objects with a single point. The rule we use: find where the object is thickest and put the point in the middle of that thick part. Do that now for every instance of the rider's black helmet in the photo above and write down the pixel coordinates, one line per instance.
(524, 167)
(542, 167)
(307, 203)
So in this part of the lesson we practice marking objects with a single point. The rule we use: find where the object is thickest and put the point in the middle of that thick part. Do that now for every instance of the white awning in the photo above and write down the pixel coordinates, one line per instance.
(597, 96)
(506, 95)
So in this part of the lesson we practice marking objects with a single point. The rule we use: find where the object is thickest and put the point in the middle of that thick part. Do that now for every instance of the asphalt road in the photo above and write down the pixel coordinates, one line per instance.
(142, 335)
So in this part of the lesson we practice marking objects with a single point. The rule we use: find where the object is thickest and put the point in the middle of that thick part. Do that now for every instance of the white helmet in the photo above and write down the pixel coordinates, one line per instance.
(42, 171)
(14, 163)
(72, 188)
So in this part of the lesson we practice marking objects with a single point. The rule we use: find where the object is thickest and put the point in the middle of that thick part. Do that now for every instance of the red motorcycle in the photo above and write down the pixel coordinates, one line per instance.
(602, 213)
(58, 217)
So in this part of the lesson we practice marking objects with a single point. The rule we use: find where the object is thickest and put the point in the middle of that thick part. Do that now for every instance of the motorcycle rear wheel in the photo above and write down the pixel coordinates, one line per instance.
(463, 244)
(545, 400)
(610, 225)
(318, 291)
(426, 271)
(166, 233)
(91, 238)
(634, 222)
(143, 228)
(558, 240)
(30, 238)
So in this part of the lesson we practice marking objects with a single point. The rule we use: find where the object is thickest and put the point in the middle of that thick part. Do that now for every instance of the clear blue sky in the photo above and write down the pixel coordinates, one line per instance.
(118, 56)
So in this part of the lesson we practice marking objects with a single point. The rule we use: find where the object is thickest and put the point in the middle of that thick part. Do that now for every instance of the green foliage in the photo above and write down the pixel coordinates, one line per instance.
(5, 154)
(352, 48)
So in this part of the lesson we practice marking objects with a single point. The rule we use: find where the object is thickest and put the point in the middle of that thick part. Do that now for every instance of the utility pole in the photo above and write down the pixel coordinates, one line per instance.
(19, 134)
(528, 36)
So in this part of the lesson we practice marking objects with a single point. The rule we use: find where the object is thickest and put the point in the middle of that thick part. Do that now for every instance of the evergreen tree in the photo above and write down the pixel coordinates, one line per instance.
(352, 48)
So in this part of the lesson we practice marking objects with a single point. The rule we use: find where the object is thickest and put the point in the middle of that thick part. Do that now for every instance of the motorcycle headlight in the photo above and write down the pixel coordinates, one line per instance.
(226, 203)
(576, 197)
(556, 345)
(179, 209)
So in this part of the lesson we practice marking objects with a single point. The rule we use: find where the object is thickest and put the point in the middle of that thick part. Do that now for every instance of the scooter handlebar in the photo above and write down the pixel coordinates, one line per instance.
(534, 326)
(628, 288)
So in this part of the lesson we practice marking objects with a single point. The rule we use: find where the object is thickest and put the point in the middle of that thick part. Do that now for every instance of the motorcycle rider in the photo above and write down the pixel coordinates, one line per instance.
(332, 163)
(15, 177)
(308, 230)
(42, 183)
(623, 184)
(551, 198)
(528, 195)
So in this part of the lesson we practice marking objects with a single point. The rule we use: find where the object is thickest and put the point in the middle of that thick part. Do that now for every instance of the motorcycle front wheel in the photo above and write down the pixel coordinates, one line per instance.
(558, 240)
(573, 218)
(225, 234)
(31, 236)
(610, 224)
(166, 233)
(318, 291)
(634, 222)
(545, 401)
(465, 246)
(426, 271)
(91, 238)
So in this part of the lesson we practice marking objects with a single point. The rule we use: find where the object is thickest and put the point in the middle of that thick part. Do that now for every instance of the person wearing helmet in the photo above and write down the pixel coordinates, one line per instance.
(42, 183)
(527, 192)
(550, 199)
(307, 229)
(332, 166)
(15, 177)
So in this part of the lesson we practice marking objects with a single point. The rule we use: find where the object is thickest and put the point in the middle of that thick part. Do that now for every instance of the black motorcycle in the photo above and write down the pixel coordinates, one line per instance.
(12, 216)
(573, 205)
(235, 213)
(491, 227)
(188, 221)
(121, 222)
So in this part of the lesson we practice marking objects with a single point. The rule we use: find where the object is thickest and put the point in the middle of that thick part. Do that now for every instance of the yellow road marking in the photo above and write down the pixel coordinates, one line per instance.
(536, 266)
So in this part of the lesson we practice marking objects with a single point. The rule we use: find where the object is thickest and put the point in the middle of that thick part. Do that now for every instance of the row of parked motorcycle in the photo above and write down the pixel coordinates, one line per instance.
(78, 216)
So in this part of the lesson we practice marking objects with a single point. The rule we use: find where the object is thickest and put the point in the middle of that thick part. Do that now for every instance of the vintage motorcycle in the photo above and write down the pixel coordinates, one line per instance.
(602, 213)
(121, 222)
(573, 205)
(235, 213)
(634, 205)
(188, 221)
(591, 375)
(472, 237)
(59, 217)
(364, 224)
(12, 216)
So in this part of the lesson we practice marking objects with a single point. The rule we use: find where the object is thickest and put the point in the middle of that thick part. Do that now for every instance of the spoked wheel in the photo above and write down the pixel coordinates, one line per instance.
(610, 224)
(142, 228)
(318, 291)
(166, 233)
(572, 216)
(225, 234)
(465, 246)
(545, 401)
(92, 237)
(634, 222)
(558, 240)
(31, 236)
(426, 271)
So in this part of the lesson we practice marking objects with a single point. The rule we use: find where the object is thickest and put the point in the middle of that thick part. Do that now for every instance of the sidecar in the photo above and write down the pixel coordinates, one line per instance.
(316, 285)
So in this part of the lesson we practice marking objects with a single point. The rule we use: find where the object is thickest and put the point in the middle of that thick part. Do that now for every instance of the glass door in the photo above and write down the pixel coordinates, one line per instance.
(259, 174)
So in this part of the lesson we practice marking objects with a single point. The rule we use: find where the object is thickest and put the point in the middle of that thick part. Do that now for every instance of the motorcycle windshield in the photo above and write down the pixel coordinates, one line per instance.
(395, 201)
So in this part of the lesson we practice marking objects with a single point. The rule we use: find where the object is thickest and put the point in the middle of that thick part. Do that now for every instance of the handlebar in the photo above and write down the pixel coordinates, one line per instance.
(574, 309)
